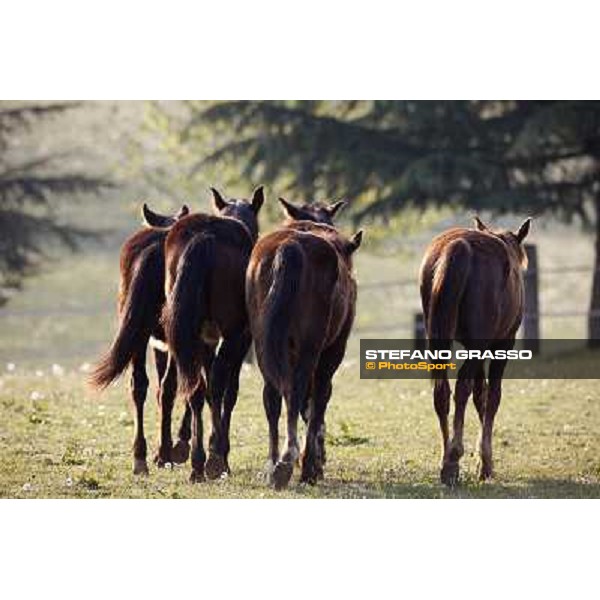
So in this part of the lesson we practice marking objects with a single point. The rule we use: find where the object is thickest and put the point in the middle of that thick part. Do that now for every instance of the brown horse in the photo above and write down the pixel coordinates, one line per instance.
(141, 297)
(206, 258)
(301, 297)
(472, 291)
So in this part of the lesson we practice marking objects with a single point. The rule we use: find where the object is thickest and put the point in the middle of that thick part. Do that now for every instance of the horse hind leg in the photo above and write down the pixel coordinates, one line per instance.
(464, 385)
(181, 449)
(463, 389)
(231, 393)
(226, 378)
(220, 374)
(272, 405)
(167, 390)
(313, 458)
(480, 392)
(198, 456)
(139, 389)
(441, 403)
(167, 373)
(486, 467)
(282, 473)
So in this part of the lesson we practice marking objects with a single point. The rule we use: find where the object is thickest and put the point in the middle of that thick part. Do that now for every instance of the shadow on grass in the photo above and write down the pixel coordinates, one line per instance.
(415, 485)
(519, 489)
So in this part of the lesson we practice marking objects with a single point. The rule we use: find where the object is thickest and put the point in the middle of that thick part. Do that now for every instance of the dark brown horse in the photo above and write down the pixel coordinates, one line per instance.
(301, 298)
(141, 298)
(472, 292)
(206, 258)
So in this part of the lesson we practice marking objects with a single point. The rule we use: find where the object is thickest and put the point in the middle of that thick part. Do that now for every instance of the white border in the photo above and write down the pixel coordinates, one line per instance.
(298, 549)
(311, 49)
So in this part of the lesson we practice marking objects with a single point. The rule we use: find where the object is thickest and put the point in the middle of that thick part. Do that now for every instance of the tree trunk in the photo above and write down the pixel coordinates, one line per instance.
(594, 316)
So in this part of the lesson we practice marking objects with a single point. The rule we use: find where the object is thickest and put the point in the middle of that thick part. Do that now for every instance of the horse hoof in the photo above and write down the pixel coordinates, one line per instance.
(163, 459)
(309, 479)
(197, 477)
(140, 467)
(485, 473)
(311, 473)
(215, 466)
(161, 463)
(181, 452)
(449, 474)
(282, 473)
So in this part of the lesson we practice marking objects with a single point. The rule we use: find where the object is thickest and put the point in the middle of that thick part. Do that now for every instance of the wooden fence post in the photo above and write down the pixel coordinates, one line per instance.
(531, 318)
(419, 331)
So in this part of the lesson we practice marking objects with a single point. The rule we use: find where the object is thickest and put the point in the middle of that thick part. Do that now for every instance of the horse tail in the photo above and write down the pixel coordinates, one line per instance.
(139, 313)
(449, 281)
(278, 310)
(187, 308)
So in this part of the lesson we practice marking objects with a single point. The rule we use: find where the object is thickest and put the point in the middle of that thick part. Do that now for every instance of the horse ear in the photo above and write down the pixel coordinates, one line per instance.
(481, 226)
(152, 219)
(258, 197)
(218, 202)
(523, 230)
(183, 212)
(293, 212)
(355, 242)
(332, 209)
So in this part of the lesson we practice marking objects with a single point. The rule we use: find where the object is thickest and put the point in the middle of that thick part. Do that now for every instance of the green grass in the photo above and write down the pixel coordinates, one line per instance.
(60, 440)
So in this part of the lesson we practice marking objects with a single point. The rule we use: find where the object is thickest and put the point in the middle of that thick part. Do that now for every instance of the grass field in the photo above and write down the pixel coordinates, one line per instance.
(58, 439)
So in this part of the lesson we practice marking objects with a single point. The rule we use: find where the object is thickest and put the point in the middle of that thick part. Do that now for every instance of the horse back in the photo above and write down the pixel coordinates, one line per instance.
(232, 245)
(490, 303)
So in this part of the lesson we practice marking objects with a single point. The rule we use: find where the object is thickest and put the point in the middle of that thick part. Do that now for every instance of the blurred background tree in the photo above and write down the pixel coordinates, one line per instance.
(31, 188)
(389, 156)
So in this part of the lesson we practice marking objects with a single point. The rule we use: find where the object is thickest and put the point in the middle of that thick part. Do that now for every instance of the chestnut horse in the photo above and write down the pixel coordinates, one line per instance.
(301, 297)
(472, 291)
(141, 297)
(206, 264)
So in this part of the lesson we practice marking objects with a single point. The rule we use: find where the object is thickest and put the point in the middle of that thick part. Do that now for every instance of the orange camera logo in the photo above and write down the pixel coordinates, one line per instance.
(370, 366)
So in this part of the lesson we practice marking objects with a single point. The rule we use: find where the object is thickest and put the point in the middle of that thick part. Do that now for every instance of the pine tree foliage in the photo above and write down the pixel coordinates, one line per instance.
(501, 155)
(30, 189)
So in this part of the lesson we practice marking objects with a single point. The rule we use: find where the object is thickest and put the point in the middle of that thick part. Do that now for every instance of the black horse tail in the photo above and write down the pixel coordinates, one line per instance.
(187, 308)
(139, 313)
(278, 310)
